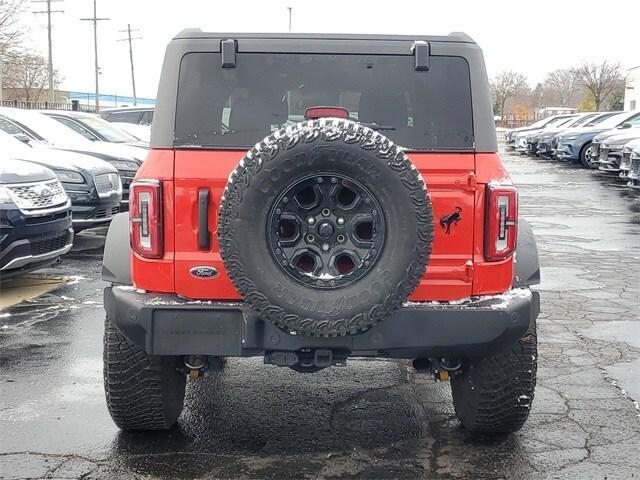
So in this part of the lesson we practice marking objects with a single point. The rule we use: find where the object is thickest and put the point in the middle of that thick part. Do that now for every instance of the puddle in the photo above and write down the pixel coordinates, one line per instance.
(28, 287)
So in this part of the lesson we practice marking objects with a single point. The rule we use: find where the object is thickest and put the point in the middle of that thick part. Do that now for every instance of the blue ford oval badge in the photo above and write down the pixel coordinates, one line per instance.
(204, 272)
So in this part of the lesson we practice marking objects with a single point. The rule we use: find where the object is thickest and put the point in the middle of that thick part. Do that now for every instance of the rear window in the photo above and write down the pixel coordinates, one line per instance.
(126, 117)
(236, 107)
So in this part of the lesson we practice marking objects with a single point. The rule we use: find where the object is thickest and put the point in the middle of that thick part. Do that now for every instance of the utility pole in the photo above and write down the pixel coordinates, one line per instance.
(48, 11)
(133, 75)
(290, 16)
(95, 21)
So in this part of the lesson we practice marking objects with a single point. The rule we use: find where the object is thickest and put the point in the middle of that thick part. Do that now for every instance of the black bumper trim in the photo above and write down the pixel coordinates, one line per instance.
(169, 325)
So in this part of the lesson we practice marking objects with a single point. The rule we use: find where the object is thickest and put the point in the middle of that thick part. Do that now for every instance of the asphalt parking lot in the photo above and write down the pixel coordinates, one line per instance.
(372, 419)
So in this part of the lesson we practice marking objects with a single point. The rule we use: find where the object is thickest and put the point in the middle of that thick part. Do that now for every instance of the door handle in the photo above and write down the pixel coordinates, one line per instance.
(204, 237)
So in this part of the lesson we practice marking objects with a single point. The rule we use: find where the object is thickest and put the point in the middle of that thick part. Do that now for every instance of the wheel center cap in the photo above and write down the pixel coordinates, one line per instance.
(325, 230)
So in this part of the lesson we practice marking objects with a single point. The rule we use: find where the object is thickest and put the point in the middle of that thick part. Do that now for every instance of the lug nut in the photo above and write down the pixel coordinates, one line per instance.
(310, 238)
(311, 220)
(340, 221)
(320, 180)
(341, 238)
(326, 212)
(325, 247)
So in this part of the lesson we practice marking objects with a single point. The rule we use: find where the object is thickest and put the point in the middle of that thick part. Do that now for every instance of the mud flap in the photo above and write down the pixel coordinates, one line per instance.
(527, 268)
(116, 262)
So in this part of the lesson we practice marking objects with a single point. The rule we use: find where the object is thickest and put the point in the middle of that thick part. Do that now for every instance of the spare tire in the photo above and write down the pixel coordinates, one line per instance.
(325, 228)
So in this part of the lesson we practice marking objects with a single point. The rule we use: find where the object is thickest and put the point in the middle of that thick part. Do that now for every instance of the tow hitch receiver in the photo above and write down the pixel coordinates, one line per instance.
(307, 360)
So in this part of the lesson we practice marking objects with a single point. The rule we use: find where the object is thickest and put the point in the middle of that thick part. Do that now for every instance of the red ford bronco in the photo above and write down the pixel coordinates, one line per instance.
(311, 198)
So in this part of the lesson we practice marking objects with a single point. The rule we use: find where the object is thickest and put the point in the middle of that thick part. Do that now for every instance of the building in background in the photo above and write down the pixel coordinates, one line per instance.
(109, 101)
(64, 100)
(632, 89)
(545, 112)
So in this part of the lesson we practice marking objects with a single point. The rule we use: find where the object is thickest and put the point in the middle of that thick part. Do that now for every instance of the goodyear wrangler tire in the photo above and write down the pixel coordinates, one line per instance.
(143, 392)
(494, 394)
(325, 228)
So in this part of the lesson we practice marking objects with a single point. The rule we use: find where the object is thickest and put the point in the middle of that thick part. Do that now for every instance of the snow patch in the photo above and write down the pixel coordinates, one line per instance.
(73, 279)
(494, 302)
(500, 182)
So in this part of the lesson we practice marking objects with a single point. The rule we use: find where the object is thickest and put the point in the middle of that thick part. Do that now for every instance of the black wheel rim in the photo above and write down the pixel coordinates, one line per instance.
(326, 230)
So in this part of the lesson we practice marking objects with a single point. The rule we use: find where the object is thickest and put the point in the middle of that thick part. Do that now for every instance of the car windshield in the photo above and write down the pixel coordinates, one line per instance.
(110, 132)
(600, 119)
(51, 131)
(237, 107)
(564, 122)
(614, 120)
(581, 120)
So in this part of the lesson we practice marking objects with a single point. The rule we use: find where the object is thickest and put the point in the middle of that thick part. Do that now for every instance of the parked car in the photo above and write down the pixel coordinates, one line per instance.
(32, 126)
(141, 132)
(592, 120)
(610, 150)
(625, 163)
(510, 135)
(320, 233)
(634, 166)
(532, 137)
(93, 185)
(35, 217)
(521, 136)
(544, 141)
(576, 144)
(94, 128)
(594, 157)
(133, 115)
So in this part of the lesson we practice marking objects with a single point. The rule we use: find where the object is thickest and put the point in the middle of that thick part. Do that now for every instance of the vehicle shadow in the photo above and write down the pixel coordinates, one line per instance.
(299, 423)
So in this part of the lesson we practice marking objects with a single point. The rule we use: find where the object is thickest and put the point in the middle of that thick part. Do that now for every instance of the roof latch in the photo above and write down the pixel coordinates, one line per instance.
(421, 52)
(228, 48)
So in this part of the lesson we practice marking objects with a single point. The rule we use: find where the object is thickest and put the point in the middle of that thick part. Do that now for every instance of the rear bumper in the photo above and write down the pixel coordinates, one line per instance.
(169, 325)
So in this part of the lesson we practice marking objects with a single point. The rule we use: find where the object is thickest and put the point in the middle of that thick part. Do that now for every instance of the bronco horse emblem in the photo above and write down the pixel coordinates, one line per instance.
(451, 219)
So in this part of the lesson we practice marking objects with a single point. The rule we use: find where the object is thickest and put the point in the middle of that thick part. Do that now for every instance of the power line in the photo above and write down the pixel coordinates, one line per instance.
(290, 16)
(95, 21)
(48, 11)
(133, 75)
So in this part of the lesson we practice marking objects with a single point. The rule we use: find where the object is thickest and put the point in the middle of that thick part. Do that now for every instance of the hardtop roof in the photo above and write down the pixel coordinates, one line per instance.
(196, 33)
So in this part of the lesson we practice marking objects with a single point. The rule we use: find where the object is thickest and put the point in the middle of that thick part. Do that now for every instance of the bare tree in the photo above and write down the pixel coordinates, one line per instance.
(563, 83)
(506, 85)
(10, 31)
(600, 79)
(27, 75)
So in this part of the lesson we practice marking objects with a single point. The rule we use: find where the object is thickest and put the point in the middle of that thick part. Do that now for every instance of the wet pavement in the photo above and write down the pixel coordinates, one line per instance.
(372, 419)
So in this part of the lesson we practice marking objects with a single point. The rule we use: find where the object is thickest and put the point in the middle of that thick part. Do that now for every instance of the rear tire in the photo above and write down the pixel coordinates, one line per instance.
(494, 394)
(143, 392)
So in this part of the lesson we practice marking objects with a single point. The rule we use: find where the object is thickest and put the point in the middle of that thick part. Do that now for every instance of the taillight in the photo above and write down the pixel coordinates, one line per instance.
(145, 214)
(501, 229)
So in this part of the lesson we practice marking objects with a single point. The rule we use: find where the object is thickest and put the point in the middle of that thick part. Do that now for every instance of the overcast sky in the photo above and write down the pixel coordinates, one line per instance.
(530, 37)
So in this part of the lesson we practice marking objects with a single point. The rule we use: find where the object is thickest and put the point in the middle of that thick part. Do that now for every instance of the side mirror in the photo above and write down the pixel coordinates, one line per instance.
(24, 138)
(626, 125)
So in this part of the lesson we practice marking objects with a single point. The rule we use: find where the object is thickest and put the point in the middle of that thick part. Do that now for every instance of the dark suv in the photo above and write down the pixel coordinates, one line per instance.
(35, 218)
(312, 198)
